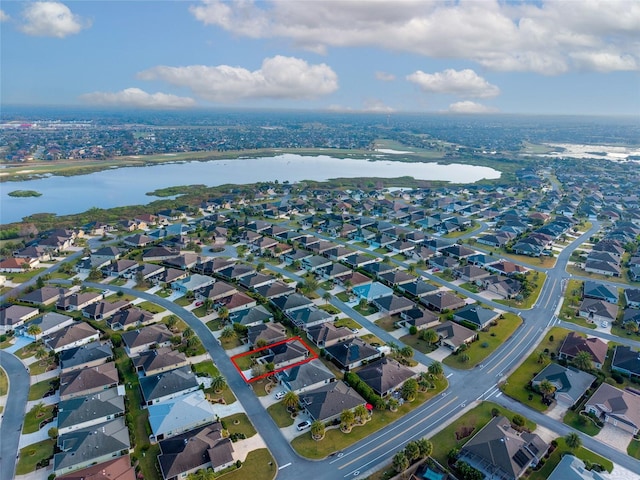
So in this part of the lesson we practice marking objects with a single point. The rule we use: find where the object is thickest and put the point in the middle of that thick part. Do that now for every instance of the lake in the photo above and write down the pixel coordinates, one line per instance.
(129, 185)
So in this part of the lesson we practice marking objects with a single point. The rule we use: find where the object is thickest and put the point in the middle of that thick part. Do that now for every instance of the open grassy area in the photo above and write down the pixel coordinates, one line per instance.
(215, 324)
(487, 342)
(470, 423)
(633, 450)
(4, 382)
(151, 307)
(469, 286)
(38, 390)
(206, 367)
(520, 378)
(553, 460)
(386, 323)
(280, 415)
(41, 366)
(24, 276)
(32, 423)
(581, 422)
(416, 343)
(335, 440)
(343, 297)
(259, 465)
(369, 309)
(32, 454)
(28, 350)
(182, 301)
(239, 423)
(330, 309)
(348, 322)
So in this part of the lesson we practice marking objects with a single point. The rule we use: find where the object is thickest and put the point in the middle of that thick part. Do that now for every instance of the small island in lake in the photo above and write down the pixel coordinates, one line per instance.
(24, 193)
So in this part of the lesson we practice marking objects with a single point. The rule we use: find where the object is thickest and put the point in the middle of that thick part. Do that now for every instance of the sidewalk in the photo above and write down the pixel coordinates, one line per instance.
(45, 376)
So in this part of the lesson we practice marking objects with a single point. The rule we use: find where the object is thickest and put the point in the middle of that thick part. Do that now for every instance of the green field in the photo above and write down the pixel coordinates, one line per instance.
(32, 454)
(4, 382)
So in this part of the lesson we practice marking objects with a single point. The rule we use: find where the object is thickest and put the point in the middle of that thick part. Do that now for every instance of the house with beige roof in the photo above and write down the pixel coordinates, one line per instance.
(620, 408)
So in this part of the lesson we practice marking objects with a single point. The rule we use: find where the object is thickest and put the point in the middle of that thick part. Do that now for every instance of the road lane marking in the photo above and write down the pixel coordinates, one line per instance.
(284, 466)
(395, 436)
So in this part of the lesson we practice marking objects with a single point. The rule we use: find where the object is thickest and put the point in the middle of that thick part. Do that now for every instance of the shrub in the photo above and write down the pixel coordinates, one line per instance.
(413, 330)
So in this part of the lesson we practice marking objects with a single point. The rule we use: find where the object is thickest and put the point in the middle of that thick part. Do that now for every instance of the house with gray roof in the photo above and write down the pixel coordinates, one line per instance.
(167, 385)
(275, 290)
(15, 316)
(620, 408)
(570, 383)
(626, 361)
(198, 449)
(327, 334)
(499, 451)
(95, 444)
(86, 356)
(74, 335)
(572, 468)
(251, 316)
(417, 288)
(352, 353)
(192, 283)
(77, 301)
(632, 297)
(419, 318)
(600, 291)
(268, 332)
(441, 301)
(305, 377)
(596, 311)
(138, 341)
(45, 296)
(131, 317)
(85, 381)
(93, 409)
(158, 360)
(285, 354)
(385, 375)
(326, 403)
(292, 302)
(454, 335)
(103, 309)
(49, 323)
(179, 415)
(393, 304)
(476, 315)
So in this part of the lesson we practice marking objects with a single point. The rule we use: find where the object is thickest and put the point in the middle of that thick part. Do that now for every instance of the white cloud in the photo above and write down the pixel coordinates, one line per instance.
(369, 106)
(4, 17)
(135, 97)
(605, 61)
(543, 36)
(470, 107)
(51, 19)
(278, 77)
(464, 83)
(385, 77)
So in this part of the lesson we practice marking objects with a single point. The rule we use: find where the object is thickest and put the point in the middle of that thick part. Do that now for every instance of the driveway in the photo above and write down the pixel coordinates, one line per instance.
(439, 354)
(614, 437)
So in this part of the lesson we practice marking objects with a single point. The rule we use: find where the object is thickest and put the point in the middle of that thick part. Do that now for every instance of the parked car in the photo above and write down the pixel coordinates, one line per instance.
(280, 395)
(604, 324)
(304, 425)
(199, 303)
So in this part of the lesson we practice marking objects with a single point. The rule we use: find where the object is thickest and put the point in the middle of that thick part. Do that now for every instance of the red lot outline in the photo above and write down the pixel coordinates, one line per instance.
(313, 356)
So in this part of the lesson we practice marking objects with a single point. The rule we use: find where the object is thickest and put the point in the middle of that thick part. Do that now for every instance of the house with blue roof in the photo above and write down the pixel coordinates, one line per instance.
(178, 415)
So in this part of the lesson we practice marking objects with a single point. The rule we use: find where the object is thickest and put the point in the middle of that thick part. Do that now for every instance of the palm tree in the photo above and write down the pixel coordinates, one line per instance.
(361, 413)
(582, 360)
(573, 441)
(631, 327)
(218, 383)
(425, 446)
(41, 353)
(412, 451)
(464, 358)
(430, 336)
(406, 352)
(400, 462)
(410, 389)
(188, 332)
(347, 417)
(227, 332)
(317, 429)
(436, 369)
(546, 388)
(348, 285)
(326, 296)
(542, 356)
(393, 404)
(291, 400)
(223, 314)
(411, 269)
(38, 409)
(34, 330)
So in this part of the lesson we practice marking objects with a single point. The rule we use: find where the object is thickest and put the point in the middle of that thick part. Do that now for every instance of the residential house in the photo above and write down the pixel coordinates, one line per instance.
(251, 316)
(419, 318)
(119, 468)
(138, 341)
(327, 334)
(417, 289)
(442, 301)
(291, 303)
(574, 343)
(507, 268)
(88, 446)
(266, 332)
(85, 381)
(600, 291)
(570, 383)
(385, 375)
(307, 376)
(74, 335)
(572, 468)
(17, 265)
(15, 316)
(285, 354)
(179, 415)
(192, 283)
(453, 335)
(103, 310)
(620, 408)
(327, 402)
(77, 301)
(195, 450)
(275, 290)
(45, 296)
(168, 385)
(215, 291)
(121, 268)
(86, 356)
(351, 353)
(475, 315)
(131, 317)
(471, 273)
(93, 409)
(236, 302)
(626, 361)
(500, 451)
(597, 311)
(158, 360)
(632, 297)
(393, 304)
(504, 287)
(48, 323)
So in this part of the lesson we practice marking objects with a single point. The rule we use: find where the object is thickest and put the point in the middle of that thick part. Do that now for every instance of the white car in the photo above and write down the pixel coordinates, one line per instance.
(304, 425)
(280, 395)
(604, 324)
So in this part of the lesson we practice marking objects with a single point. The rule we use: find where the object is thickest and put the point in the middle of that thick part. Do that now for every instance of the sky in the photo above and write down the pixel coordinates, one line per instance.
(568, 57)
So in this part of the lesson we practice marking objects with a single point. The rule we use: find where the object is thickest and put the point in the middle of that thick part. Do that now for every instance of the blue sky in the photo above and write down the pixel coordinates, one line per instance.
(481, 56)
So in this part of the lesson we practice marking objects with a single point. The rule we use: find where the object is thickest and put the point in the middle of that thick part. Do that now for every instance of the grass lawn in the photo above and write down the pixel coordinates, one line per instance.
(215, 324)
(623, 278)
(472, 287)
(343, 296)
(245, 362)
(553, 460)
(232, 342)
(369, 309)
(163, 293)
(543, 262)
(420, 345)
(633, 450)
(239, 423)
(327, 285)
(182, 301)
(41, 366)
(32, 423)
(487, 342)
(32, 454)
(24, 276)
(335, 440)
(371, 339)
(4, 382)
(518, 380)
(151, 307)
(386, 323)
(581, 422)
(469, 424)
(280, 415)
(348, 322)
(38, 390)
(330, 309)
(28, 350)
(259, 465)
(118, 282)
(206, 367)
(200, 311)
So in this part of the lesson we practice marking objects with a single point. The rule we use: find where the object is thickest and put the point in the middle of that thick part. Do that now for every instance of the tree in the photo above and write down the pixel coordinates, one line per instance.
(218, 383)
(400, 462)
(583, 361)
(361, 413)
(227, 332)
(291, 400)
(546, 388)
(260, 267)
(34, 330)
(223, 314)
(411, 269)
(464, 358)
(40, 282)
(363, 303)
(52, 432)
(393, 404)
(518, 420)
(347, 417)
(172, 321)
(542, 356)
(188, 332)
(573, 441)
(258, 370)
(410, 389)
(406, 352)
(425, 447)
(436, 369)
(631, 327)
(412, 451)
(317, 429)
(348, 285)
(41, 353)
(39, 409)
(430, 336)
(326, 296)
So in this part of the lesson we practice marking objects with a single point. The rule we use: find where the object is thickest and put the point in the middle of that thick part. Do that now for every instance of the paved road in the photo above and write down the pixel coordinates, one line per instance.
(13, 413)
